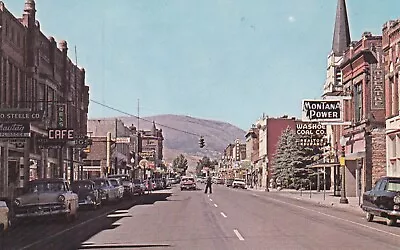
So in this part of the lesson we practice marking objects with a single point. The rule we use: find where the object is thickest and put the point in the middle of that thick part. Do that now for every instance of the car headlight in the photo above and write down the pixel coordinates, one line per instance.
(396, 199)
(61, 198)
(17, 202)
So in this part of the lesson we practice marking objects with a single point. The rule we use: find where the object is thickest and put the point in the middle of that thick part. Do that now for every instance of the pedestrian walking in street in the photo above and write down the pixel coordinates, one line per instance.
(208, 184)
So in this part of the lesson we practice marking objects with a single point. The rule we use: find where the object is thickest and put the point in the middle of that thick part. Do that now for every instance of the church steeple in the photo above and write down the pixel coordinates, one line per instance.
(341, 33)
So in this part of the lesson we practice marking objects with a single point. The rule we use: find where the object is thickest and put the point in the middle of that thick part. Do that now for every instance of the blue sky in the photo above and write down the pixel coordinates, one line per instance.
(228, 60)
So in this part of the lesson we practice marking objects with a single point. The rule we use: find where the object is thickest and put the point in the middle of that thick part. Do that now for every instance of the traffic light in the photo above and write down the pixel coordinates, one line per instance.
(201, 142)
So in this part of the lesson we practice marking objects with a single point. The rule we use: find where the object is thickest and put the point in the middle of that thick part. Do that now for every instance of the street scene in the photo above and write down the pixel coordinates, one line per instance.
(110, 152)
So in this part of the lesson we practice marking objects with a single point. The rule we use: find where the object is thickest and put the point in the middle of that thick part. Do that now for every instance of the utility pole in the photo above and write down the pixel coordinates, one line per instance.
(108, 165)
(115, 151)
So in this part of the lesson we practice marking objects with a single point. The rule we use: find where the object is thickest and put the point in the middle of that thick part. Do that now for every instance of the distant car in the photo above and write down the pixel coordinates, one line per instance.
(4, 217)
(138, 187)
(188, 183)
(229, 182)
(88, 195)
(117, 183)
(107, 191)
(383, 200)
(126, 182)
(239, 183)
(47, 197)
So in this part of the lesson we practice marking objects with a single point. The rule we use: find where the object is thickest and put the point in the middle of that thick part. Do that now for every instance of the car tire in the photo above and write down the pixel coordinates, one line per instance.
(391, 221)
(369, 217)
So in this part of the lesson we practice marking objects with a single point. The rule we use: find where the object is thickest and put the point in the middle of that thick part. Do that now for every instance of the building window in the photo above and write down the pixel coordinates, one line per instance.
(358, 102)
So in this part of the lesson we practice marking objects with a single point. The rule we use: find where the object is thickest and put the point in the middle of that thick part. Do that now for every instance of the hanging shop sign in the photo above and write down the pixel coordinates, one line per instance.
(61, 115)
(311, 134)
(322, 111)
(15, 130)
(20, 115)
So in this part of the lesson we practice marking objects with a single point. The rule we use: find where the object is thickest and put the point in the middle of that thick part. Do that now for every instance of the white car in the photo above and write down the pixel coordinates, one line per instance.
(4, 219)
(239, 183)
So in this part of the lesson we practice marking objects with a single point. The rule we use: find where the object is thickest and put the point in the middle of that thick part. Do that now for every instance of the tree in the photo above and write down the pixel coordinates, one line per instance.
(291, 160)
(180, 164)
(205, 162)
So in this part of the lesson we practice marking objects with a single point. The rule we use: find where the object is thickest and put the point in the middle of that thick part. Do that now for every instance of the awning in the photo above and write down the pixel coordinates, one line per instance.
(355, 156)
(324, 165)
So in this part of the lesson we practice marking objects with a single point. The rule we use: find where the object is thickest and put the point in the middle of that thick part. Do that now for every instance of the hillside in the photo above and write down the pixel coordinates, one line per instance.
(217, 135)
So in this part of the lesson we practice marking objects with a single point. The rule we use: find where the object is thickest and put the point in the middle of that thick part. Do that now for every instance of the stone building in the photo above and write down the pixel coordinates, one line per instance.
(362, 77)
(391, 52)
(36, 75)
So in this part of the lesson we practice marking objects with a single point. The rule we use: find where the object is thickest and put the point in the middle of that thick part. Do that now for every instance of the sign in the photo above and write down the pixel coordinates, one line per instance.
(123, 140)
(311, 134)
(342, 161)
(147, 154)
(311, 142)
(46, 143)
(60, 134)
(322, 111)
(81, 141)
(61, 115)
(377, 89)
(20, 115)
(15, 130)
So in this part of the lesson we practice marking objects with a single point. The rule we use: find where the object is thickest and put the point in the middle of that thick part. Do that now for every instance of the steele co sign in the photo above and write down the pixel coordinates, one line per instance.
(322, 111)
(14, 116)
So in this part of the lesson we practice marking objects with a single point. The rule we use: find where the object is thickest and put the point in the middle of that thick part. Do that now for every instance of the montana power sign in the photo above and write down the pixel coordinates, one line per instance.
(322, 111)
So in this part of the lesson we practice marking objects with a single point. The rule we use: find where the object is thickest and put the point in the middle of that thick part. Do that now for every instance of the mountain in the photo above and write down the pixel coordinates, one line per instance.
(217, 135)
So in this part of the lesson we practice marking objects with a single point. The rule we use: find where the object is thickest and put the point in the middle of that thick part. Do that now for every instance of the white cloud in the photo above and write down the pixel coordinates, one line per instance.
(291, 19)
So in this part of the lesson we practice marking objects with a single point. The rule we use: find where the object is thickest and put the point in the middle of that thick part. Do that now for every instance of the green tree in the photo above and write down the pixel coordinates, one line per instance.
(291, 160)
(205, 162)
(180, 164)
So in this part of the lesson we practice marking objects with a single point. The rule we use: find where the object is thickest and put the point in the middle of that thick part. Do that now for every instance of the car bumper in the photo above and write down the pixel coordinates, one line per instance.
(188, 187)
(86, 203)
(43, 213)
(389, 212)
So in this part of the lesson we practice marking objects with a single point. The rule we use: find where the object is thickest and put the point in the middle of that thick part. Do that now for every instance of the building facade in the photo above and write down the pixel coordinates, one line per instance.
(36, 75)
(362, 76)
(391, 51)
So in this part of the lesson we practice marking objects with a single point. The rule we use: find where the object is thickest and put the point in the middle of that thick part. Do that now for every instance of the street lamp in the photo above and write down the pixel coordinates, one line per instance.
(267, 173)
(343, 198)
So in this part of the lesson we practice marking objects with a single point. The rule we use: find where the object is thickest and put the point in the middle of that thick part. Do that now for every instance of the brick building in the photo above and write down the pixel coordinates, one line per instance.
(151, 149)
(391, 51)
(362, 77)
(36, 74)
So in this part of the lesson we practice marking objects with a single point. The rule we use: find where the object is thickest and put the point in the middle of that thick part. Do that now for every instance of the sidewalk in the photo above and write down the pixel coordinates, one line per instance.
(317, 198)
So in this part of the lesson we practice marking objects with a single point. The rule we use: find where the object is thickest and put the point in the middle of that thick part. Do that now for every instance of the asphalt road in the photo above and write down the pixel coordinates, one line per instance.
(226, 219)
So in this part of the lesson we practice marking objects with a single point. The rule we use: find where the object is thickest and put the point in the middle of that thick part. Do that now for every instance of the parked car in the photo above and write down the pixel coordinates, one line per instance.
(4, 217)
(47, 197)
(138, 187)
(383, 200)
(117, 183)
(126, 182)
(239, 183)
(159, 184)
(108, 192)
(229, 182)
(88, 195)
(188, 183)
(149, 185)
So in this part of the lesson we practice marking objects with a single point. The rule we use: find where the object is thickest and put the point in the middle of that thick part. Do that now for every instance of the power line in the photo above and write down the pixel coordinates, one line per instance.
(126, 113)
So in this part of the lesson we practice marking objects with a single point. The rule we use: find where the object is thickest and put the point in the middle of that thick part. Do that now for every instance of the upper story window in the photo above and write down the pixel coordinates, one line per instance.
(358, 102)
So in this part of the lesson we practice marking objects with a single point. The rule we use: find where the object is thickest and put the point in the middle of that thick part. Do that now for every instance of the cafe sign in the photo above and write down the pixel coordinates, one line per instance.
(15, 130)
(20, 115)
(322, 111)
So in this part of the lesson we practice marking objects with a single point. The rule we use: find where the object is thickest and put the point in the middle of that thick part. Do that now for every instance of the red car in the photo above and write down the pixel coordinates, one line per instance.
(188, 183)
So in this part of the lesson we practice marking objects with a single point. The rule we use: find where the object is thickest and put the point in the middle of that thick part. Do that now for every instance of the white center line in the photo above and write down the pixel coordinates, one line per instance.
(210, 199)
(238, 234)
(224, 215)
(215, 205)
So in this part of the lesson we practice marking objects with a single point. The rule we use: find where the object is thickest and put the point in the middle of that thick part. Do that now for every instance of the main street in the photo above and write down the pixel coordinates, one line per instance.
(227, 219)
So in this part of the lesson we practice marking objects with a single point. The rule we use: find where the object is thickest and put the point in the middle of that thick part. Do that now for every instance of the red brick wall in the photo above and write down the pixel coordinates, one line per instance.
(378, 154)
(275, 127)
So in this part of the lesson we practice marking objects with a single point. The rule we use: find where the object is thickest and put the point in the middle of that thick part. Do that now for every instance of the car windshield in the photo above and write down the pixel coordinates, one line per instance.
(187, 179)
(136, 181)
(100, 183)
(38, 187)
(81, 185)
(114, 182)
(393, 186)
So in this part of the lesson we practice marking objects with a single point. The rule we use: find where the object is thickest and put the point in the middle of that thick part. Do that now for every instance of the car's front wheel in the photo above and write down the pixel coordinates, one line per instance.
(391, 221)
(369, 217)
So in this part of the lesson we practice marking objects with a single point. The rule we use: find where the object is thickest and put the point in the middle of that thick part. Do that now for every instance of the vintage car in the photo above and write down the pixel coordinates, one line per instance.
(88, 195)
(47, 197)
(126, 182)
(239, 183)
(139, 187)
(188, 183)
(228, 182)
(118, 184)
(383, 200)
(108, 192)
(4, 216)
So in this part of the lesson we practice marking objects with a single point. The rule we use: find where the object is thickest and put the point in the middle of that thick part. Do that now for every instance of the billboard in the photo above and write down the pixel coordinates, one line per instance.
(322, 111)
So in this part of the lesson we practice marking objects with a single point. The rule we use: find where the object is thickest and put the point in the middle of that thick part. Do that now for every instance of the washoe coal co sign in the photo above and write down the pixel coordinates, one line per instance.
(322, 111)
